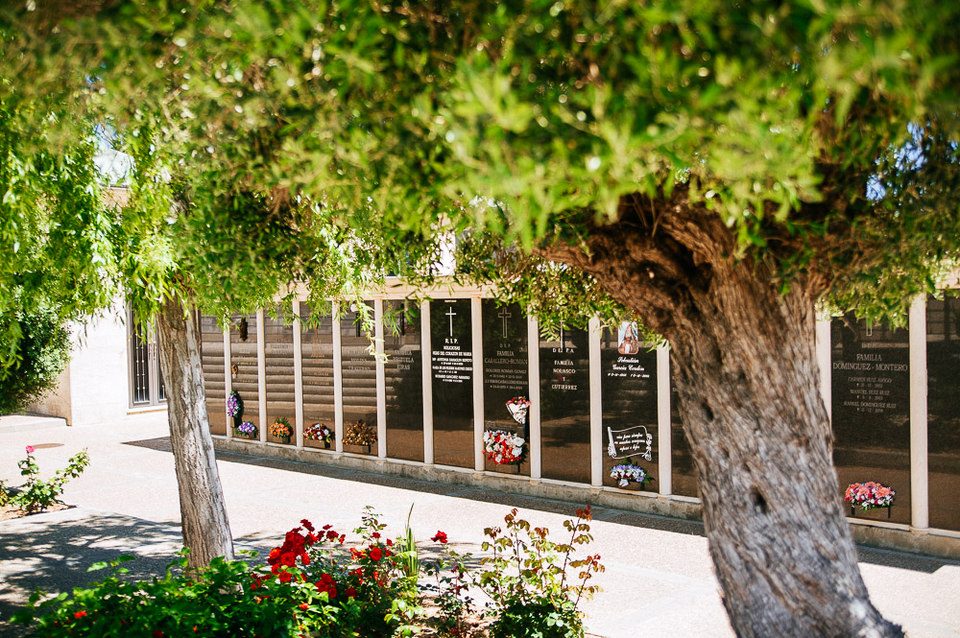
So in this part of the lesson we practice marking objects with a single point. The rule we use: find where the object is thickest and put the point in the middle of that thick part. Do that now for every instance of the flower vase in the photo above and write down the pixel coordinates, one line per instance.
(356, 449)
(326, 445)
(284, 439)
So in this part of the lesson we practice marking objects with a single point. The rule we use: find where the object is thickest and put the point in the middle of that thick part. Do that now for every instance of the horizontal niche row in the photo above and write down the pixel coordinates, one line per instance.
(455, 386)
(468, 383)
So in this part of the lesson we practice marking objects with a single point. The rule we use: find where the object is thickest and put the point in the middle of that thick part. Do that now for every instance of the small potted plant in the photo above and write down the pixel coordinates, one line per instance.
(319, 432)
(361, 436)
(627, 473)
(235, 407)
(246, 430)
(281, 429)
(869, 496)
(503, 447)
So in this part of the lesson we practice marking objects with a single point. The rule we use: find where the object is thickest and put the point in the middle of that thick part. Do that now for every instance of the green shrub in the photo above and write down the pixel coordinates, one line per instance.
(42, 354)
(526, 577)
(215, 601)
(36, 494)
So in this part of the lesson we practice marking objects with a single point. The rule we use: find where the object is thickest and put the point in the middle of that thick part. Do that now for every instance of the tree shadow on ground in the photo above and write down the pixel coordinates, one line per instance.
(53, 552)
(884, 557)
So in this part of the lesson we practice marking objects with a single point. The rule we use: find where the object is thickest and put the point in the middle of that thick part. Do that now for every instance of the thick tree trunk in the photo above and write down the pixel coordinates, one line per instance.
(747, 379)
(206, 531)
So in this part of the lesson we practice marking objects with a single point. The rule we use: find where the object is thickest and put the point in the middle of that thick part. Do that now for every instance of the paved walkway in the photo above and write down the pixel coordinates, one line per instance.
(659, 580)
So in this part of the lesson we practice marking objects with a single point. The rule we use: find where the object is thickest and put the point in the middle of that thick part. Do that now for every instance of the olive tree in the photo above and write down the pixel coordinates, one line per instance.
(718, 171)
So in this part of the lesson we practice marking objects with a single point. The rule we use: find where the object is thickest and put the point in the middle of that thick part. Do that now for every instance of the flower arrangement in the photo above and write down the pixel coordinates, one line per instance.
(627, 473)
(234, 405)
(869, 495)
(518, 407)
(281, 428)
(246, 429)
(318, 432)
(360, 433)
(504, 447)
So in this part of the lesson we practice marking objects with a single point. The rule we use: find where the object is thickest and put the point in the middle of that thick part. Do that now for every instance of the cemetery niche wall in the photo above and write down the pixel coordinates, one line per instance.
(403, 374)
(479, 379)
(280, 381)
(506, 387)
(451, 360)
(358, 366)
(245, 376)
(214, 379)
(628, 390)
(871, 411)
(943, 411)
(565, 406)
(316, 362)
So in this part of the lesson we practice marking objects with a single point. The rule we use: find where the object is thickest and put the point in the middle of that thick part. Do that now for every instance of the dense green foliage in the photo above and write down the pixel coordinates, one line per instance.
(334, 142)
(37, 494)
(314, 584)
(41, 355)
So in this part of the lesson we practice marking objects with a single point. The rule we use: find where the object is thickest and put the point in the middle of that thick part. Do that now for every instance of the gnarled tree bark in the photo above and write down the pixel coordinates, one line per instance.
(747, 379)
(206, 530)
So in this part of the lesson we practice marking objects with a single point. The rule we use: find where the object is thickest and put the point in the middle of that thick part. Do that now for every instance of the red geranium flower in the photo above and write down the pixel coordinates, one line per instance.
(439, 537)
(375, 554)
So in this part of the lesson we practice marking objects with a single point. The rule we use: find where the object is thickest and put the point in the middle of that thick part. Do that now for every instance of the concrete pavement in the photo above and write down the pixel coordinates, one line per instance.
(658, 582)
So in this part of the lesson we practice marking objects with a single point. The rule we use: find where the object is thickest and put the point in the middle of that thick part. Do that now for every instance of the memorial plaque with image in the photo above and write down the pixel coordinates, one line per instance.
(506, 373)
(214, 385)
(871, 410)
(628, 391)
(451, 327)
(280, 379)
(359, 369)
(565, 406)
(244, 371)
(403, 371)
(943, 407)
(316, 358)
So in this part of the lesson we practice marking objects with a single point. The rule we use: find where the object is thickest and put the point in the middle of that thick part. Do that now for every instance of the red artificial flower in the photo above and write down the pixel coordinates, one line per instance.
(439, 537)
(375, 554)
(80, 614)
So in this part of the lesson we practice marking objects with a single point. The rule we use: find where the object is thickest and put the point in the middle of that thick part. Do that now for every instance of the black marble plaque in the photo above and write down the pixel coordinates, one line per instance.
(943, 411)
(316, 359)
(280, 378)
(359, 370)
(871, 410)
(628, 391)
(683, 473)
(451, 360)
(244, 371)
(211, 360)
(506, 374)
(403, 372)
(565, 406)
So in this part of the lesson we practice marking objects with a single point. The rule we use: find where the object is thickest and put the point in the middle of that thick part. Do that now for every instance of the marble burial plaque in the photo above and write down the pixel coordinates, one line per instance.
(565, 406)
(403, 371)
(451, 358)
(506, 373)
